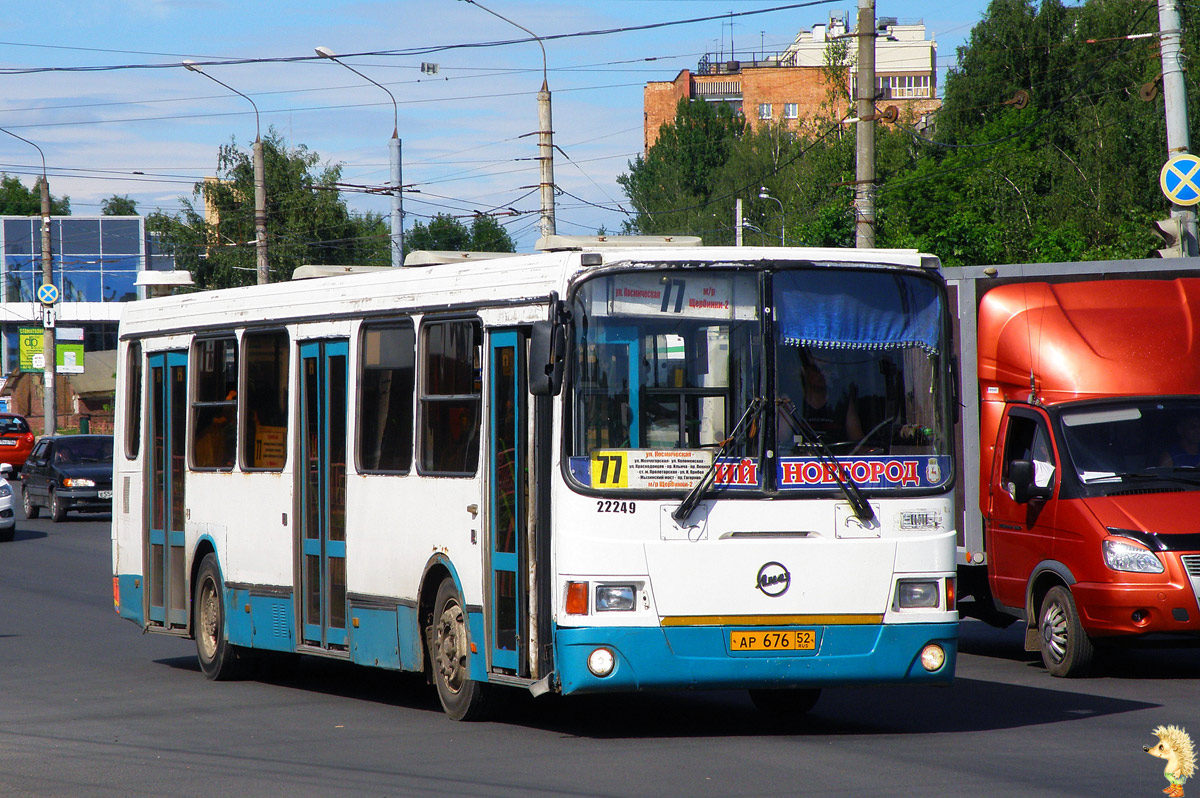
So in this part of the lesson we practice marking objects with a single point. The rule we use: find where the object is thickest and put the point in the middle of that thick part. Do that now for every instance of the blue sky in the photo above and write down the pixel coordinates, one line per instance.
(465, 130)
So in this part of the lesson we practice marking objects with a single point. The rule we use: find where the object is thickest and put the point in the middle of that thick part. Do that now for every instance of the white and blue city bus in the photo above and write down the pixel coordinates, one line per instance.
(613, 465)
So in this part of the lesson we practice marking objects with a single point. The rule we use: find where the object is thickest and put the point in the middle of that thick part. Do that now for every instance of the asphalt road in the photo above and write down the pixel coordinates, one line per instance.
(90, 706)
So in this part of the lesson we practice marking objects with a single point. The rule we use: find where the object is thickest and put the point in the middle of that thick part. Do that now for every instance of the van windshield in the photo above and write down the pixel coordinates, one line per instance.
(1131, 440)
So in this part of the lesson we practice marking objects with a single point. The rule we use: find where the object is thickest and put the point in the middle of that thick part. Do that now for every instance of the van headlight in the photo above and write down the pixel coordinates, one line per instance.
(1125, 555)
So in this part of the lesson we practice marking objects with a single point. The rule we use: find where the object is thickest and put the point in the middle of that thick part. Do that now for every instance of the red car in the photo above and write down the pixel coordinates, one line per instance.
(16, 440)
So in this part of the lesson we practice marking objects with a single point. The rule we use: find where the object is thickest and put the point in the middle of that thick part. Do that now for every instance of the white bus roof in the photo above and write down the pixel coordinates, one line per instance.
(509, 280)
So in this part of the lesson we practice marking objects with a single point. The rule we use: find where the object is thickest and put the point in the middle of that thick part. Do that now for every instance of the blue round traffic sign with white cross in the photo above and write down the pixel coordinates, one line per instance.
(47, 293)
(1180, 179)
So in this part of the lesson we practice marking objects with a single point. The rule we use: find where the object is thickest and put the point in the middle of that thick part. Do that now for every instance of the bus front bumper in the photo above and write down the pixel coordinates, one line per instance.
(703, 657)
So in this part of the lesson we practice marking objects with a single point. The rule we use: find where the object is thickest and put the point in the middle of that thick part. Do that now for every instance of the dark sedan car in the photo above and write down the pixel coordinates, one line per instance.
(68, 472)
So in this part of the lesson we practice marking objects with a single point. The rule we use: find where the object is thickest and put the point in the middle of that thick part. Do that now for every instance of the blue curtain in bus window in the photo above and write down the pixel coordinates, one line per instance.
(856, 310)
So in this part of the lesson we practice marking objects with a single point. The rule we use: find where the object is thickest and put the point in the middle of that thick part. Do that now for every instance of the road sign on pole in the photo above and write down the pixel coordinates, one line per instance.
(47, 293)
(1180, 179)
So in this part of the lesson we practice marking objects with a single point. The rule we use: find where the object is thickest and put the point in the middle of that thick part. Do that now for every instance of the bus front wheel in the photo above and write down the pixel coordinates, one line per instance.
(449, 656)
(219, 659)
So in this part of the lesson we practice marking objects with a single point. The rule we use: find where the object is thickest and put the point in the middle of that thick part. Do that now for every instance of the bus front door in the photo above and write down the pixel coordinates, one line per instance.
(166, 585)
(323, 405)
(508, 499)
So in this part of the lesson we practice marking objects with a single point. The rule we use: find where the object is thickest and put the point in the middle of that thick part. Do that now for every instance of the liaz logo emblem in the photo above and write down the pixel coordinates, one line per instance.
(773, 579)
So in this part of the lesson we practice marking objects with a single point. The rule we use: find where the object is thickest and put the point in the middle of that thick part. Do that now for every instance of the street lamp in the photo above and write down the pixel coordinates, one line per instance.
(545, 132)
(762, 194)
(49, 352)
(394, 149)
(260, 183)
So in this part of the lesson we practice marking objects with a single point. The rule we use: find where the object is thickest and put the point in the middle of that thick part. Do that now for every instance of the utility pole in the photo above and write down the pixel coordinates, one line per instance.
(1170, 28)
(545, 131)
(260, 183)
(394, 154)
(546, 158)
(737, 221)
(49, 399)
(864, 195)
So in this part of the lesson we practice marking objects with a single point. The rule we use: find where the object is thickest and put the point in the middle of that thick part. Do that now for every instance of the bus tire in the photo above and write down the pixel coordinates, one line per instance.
(794, 703)
(1066, 649)
(31, 509)
(219, 659)
(449, 657)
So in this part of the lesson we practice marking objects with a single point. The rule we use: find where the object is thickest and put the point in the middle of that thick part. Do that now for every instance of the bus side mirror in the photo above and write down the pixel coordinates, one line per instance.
(547, 350)
(1021, 484)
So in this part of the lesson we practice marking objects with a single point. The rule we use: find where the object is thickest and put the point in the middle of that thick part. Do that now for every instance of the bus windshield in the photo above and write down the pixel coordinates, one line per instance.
(859, 368)
(668, 361)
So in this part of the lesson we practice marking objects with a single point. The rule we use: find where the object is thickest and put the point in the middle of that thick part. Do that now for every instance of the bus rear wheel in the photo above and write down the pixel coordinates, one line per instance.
(219, 660)
(449, 657)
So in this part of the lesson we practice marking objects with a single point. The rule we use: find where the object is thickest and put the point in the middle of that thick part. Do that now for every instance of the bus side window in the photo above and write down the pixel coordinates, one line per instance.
(451, 396)
(264, 399)
(214, 403)
(385, 400)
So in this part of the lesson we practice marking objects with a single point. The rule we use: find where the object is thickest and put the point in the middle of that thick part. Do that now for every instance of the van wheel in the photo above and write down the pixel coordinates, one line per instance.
(219, 659)
(57, 511)
(785, 703)
(31, 509)
(449, 656)
(1066, 649)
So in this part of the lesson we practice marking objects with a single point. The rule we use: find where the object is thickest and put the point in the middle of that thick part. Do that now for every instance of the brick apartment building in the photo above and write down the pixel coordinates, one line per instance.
(789, 87)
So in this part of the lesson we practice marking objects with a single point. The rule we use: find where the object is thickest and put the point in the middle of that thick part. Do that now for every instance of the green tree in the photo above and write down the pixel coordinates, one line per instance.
(17, 200)
(307, 220)
(118, 206)
(681, 183)
(444, 233)
(1045, 150)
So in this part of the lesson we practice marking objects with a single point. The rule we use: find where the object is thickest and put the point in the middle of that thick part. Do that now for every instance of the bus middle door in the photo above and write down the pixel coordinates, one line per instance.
(322, 477)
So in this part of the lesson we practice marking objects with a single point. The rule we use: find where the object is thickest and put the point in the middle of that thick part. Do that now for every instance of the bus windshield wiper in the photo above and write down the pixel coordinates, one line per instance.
(826, 457)
(684, 510)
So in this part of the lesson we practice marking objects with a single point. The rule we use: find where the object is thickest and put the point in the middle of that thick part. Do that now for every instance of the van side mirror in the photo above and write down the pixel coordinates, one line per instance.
(547, 352)
(1021, 485)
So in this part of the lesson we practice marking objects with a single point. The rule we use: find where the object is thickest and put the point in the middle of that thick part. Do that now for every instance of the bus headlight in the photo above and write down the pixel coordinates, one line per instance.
(615, 598)
(914, 594)
(1125, 555)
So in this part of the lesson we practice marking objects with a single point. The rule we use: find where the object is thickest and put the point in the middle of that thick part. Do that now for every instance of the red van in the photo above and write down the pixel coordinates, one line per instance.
(1081, 443)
